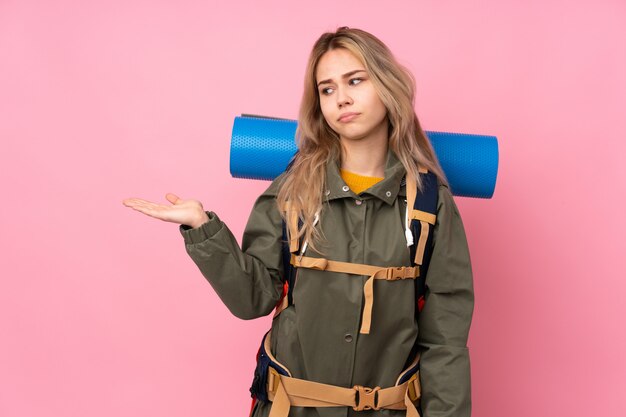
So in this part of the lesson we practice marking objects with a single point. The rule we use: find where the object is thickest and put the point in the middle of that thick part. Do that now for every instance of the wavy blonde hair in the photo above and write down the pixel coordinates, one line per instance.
(304, 182)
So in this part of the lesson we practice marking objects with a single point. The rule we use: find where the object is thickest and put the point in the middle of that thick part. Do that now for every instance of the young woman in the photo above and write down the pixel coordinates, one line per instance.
(350, 328)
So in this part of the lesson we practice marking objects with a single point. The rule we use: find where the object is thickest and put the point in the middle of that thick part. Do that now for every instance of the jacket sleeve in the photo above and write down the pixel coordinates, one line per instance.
(247, 279)
(445, 320)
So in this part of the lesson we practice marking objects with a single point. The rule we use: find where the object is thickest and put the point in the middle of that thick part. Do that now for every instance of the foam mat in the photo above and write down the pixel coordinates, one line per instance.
(261, 148)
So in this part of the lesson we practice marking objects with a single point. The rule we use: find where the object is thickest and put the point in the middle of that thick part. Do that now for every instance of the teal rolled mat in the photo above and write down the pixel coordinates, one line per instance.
(261, 148)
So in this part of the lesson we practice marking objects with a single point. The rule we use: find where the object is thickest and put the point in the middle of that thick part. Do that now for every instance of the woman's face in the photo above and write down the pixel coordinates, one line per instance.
(348, 99)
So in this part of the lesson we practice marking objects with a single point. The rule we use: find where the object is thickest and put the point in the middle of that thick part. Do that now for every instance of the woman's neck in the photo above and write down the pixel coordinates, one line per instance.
(365, 157)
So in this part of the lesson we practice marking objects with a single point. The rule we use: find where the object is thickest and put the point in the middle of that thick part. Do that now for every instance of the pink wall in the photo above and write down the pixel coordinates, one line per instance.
(103, 314)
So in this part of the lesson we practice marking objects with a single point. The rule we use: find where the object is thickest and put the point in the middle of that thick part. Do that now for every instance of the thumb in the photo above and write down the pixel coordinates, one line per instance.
(172, 198)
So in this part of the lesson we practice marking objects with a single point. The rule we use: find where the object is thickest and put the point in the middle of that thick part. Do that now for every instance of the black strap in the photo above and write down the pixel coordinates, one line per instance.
(426, 200)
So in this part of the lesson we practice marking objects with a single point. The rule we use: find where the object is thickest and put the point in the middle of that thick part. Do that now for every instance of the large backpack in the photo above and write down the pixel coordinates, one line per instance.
(422, 219)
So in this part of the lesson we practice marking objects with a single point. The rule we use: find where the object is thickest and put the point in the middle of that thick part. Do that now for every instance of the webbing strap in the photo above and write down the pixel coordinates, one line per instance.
(375, 272)
(283, 304)
(424, 218)
(421, 244)
(286, 391)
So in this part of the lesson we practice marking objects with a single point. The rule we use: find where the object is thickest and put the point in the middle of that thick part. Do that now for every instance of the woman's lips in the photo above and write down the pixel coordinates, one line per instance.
(346, 117)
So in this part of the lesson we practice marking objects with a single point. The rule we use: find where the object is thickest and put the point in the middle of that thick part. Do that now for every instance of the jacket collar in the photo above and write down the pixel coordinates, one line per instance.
(387, 190)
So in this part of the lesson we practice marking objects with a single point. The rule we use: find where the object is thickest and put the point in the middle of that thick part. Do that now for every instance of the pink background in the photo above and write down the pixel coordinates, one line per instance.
(103, 314)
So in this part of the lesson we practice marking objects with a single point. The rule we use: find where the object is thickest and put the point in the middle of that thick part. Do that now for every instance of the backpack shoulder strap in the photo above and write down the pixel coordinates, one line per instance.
(290, 245)
(289, 270)
(422, 218)
(423, 215)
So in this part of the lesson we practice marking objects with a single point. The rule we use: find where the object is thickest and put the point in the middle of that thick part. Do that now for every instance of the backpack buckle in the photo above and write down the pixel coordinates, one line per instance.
(414, 388)
(400, 272)
(367, 398)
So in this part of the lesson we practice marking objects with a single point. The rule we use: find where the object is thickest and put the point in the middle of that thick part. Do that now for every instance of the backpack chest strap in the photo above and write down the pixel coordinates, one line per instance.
(374, 272)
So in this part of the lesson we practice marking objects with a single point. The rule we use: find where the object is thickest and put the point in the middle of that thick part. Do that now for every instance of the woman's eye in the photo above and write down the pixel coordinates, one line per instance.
(326, 91)
(355, 81)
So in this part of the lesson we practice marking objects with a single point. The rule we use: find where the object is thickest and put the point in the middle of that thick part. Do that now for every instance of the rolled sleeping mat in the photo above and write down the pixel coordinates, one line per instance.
(262, 147)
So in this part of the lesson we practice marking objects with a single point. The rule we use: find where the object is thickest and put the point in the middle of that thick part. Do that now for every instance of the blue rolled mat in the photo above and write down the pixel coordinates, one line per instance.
(261, 147)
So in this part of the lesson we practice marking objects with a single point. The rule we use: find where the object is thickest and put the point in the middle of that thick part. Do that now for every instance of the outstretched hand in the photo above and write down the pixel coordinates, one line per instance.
(188, 212)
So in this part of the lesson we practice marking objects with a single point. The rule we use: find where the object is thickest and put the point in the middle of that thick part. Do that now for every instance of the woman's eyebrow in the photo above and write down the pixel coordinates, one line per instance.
(346, 75)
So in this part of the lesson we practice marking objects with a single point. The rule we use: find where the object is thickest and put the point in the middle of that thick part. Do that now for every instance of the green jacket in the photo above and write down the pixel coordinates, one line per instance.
(318, 337)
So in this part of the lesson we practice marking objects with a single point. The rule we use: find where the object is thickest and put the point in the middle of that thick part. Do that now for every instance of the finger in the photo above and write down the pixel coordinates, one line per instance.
(133, 201)
(148, 207)
(157, 214)
(151, 206)
(172, 198)
(127, 202)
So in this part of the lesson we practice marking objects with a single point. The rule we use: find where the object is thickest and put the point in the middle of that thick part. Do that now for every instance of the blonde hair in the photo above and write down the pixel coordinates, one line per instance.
(304, 182)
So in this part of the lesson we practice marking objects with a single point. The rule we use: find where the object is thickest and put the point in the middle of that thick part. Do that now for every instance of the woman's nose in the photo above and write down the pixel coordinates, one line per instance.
(343, 98)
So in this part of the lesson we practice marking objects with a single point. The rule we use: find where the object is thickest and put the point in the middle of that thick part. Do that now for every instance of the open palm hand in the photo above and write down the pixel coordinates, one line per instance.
(188, 212)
